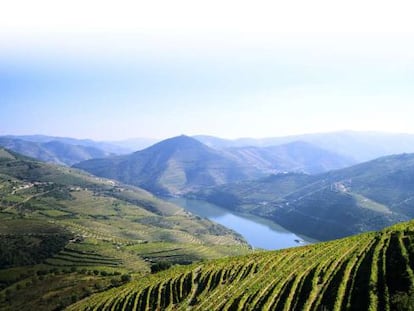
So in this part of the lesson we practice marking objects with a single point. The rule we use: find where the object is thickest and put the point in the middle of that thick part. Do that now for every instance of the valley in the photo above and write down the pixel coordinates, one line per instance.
(206, 155)
(339, 203)
(70, 234)
(301, 187)
(182, 164)
(258, 232)
(206, 216)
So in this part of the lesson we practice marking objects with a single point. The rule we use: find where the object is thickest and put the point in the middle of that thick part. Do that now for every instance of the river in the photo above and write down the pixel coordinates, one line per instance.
(258, 232)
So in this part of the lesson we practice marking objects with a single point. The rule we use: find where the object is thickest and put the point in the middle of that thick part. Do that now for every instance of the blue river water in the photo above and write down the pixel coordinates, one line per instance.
(258, 232)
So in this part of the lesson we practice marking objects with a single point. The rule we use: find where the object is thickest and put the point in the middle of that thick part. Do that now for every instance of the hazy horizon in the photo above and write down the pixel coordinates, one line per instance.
(157, 139)
(228, 69)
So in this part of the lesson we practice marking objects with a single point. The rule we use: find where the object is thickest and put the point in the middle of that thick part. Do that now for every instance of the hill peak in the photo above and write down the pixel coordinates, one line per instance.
(175, 165)
(182, 139)
(178, 142)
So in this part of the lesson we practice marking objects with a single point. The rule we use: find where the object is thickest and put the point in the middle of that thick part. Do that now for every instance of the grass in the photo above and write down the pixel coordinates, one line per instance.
(370, 204)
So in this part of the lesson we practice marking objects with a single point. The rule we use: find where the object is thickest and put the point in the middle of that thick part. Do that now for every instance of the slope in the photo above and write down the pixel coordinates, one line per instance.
(371, 271)
(292, 157)
(367, 196)
(361, 146)
(65, 234)
(54, 151)
(173, 166)
(109, 147)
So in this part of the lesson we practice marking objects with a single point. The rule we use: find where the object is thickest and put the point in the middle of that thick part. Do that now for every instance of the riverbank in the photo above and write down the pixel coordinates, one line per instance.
(258, 232)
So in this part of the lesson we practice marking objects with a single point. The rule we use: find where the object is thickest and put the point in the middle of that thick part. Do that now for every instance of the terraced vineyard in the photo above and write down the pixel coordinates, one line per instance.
(65, 235)
(69, 257)
(371, 271)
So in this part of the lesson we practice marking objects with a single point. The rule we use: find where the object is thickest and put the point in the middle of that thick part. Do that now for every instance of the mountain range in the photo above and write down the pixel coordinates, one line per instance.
(351, 145)
(295, 156)
(360, 146)
(110, 147)
(173, 166)
(59, 150)
(182, 164)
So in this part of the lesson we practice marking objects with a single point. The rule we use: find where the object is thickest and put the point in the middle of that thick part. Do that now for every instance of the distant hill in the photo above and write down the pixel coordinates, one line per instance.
(291, 157)
(173, 166)
(360, 146)
(53, 151)
(367, 196)
(371, 271)
(109, 147)
(182, 164)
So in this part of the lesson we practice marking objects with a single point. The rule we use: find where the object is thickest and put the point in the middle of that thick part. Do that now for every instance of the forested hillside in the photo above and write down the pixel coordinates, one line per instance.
(363, 197)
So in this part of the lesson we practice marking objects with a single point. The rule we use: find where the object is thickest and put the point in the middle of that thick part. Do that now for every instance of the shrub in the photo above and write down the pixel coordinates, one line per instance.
(125, 278)
(160, 266)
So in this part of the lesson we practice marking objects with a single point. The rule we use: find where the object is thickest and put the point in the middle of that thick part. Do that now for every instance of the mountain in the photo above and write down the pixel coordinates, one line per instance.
(182, 164)
(292, 157)
(173, 166)
(367, 196)
(53, 151)
(360, 146)
(371, 271)
(108, 147)
(65, 234)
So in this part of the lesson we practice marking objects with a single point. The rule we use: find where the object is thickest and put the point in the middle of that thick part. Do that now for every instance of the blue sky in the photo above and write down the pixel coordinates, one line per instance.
(109, 71)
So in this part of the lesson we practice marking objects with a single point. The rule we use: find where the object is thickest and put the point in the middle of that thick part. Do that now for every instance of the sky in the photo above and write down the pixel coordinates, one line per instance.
(112, 70)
